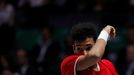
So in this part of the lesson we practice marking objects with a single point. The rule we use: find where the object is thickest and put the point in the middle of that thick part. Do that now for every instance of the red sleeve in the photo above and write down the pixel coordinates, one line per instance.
(110, 66)
(68, 65)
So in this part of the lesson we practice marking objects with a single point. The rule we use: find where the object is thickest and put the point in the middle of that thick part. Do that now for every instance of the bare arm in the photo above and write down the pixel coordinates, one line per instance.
(96, 52)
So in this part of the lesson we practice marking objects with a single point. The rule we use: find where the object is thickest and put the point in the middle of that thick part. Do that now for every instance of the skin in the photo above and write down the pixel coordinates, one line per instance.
(90, 57)
(87, 42)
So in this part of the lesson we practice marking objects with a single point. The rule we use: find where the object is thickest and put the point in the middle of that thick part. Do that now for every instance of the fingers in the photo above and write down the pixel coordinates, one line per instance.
(111, 30)
(114, 32)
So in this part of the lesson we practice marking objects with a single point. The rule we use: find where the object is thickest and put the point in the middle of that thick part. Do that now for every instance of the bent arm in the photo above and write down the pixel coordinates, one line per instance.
(93, 56)
(97, 51)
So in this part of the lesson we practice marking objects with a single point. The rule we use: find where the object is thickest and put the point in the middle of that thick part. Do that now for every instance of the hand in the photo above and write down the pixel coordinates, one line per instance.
(111, 30)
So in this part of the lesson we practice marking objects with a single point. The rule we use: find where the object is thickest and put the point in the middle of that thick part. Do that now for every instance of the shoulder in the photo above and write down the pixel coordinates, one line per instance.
(68, 65)
(69, 59)
(109, 65)
(106, 61)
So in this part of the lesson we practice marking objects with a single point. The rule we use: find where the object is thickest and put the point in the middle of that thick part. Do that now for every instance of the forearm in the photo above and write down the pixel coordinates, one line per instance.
(93, 56)
(96, 52)
(98, 49)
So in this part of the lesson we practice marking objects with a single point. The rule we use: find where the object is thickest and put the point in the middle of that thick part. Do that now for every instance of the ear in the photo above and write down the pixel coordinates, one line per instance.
(74, 47)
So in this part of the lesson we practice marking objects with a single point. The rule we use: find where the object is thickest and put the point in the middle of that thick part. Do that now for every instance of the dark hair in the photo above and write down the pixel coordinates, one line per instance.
(81, 31)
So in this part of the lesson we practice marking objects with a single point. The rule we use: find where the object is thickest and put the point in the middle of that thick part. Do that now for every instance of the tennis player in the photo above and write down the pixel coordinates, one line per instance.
(89, 51)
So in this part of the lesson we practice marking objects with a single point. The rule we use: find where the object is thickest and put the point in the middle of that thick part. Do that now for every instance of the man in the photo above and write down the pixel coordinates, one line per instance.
(7, 30)
(87, 60)
(45, 54)
(24, 67)
(126, 60)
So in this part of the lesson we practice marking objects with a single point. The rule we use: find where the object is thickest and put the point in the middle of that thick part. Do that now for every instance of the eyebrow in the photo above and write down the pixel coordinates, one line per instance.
(86, 45)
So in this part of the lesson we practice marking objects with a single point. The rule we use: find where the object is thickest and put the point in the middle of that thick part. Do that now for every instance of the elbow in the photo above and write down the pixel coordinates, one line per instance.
(96, 55)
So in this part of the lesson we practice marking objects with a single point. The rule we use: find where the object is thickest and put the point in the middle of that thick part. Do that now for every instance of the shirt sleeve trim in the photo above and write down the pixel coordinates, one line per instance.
(97, 69)
(75, 65)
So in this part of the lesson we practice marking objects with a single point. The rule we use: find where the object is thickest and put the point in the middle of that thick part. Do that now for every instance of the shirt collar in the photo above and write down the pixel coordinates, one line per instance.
(97, 68)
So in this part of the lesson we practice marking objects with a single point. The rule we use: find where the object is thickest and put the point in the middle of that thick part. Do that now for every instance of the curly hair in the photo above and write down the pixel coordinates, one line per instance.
(81, 31)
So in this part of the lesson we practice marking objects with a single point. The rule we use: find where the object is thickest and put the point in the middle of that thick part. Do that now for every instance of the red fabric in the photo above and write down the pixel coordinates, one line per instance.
(106, 67)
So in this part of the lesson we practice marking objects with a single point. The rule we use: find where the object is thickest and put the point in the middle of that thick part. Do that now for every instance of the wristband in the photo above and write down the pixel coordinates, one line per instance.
(104, 35)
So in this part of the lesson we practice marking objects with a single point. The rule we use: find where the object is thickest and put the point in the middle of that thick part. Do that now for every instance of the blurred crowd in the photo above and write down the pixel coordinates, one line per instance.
(23, 54)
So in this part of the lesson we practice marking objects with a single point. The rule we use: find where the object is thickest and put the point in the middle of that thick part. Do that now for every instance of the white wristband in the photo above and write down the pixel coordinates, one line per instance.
(104, 35)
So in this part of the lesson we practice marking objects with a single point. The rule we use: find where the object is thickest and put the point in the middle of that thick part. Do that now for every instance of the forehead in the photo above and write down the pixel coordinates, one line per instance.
(86, 41)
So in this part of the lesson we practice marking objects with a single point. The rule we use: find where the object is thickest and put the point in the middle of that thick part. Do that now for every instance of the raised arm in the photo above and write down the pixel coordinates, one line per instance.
(97, 51)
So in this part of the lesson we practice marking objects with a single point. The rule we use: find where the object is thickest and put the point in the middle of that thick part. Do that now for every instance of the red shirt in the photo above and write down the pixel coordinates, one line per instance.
(68, 67)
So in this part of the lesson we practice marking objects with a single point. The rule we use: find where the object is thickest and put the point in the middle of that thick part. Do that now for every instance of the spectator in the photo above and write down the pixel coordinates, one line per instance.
(7, 72)
(99, 6)
(6, 13)
(67, 50)
(130, 33)
(46, 53)
(125, 60)
(130, 59)
(68, 45)
(24, 67)
(6, 26)
(129, 37)
(31, 12)
(5, 63)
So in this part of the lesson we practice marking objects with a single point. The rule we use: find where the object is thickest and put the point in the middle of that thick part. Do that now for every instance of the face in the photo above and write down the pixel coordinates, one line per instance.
(85, 45)
(21, 56)
(130, 53)
(46, 34)
(130, 34)
(4, 61)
